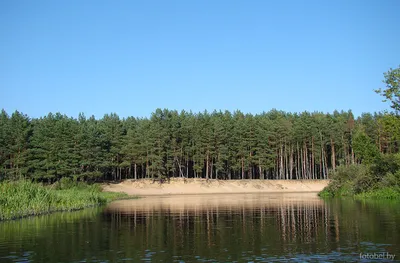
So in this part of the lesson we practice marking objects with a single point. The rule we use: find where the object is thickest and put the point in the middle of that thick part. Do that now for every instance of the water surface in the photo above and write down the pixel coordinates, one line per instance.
(209, 228)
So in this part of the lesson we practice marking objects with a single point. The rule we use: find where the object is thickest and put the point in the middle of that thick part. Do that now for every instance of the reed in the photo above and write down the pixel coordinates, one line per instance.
(382, 193)
(24, 198)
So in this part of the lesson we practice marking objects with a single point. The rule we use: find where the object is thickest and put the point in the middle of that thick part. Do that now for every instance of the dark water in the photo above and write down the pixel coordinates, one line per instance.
(210, 228)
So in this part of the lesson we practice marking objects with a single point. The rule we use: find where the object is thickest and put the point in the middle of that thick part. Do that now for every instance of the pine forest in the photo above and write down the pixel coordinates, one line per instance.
(209, 145)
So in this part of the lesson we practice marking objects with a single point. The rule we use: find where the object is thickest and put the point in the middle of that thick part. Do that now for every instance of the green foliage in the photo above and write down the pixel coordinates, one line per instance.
(380, 179)
(347, 181)
(14, 137)
(381, 193)
(392, 91)
(390, 180)
(24, 198)
(326, 193)
(363, 181)
(65, 183)
(364, 148)
(387, 164)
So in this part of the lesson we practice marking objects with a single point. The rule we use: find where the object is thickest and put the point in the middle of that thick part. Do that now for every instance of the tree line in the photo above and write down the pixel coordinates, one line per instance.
(216, 145)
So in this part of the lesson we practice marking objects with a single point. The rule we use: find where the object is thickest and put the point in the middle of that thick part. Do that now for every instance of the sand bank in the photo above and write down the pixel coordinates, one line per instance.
(179, 186)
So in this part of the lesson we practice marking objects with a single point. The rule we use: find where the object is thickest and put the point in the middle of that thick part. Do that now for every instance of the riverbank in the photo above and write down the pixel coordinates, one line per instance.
(24, 198)
(366, 181)
(179, 186)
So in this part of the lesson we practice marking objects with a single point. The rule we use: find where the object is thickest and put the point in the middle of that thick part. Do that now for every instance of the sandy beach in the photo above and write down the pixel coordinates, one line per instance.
(178, 186)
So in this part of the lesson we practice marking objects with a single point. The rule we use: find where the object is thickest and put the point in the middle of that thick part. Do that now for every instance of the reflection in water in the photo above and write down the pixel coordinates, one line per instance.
(228, 225)
(220, 215)
(215, 228)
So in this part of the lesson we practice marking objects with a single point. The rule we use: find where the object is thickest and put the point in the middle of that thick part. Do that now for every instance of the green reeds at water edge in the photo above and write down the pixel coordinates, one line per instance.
(25, 198)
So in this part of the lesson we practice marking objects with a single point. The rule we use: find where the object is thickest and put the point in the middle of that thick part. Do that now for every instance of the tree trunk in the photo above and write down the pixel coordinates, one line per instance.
(326, 166)
(312, 158)
(207, 167)
(333, 155)
(135, 171)
(187, 168)
(291, 162)
(281, 163)
(242, 168)
(323, 172)
(298, 169)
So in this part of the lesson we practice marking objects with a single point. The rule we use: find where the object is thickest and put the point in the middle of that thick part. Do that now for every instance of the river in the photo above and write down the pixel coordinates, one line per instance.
(210, 228)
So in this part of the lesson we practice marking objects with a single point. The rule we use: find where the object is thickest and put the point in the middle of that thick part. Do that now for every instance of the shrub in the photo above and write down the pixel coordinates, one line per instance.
(378, 180)
(390, 180)
(348, 180)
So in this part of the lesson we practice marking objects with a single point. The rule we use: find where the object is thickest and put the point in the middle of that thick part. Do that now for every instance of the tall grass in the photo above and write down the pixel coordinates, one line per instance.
(382, 193)
(24, 198)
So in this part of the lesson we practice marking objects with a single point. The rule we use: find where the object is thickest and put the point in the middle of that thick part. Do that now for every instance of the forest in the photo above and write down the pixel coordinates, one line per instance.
(216, 145)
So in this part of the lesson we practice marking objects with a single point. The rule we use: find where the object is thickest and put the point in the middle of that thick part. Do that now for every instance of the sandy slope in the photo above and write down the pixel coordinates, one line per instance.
(201, 186)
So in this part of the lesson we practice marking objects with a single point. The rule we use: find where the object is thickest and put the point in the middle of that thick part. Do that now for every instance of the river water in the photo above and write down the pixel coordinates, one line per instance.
(210, 228)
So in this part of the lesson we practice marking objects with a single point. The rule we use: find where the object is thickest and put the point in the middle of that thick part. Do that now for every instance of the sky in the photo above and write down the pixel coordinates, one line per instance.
(132, 57)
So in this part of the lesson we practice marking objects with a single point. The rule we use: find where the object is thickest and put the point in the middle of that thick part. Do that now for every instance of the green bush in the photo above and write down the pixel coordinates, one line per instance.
(378, 180)
(326, 192)
(363, 181)
(348, 180)
(390, 180)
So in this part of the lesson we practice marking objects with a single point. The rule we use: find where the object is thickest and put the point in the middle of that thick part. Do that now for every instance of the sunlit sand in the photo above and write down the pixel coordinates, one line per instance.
(201, 186)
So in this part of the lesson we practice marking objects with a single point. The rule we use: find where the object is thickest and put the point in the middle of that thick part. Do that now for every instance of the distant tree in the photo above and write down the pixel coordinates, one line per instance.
(392, 91)
(389, 125)
(113, 132)
(4, 139)
(54, 148)
(159, 141)
(364, 148)
(14, 138)
(91, 150)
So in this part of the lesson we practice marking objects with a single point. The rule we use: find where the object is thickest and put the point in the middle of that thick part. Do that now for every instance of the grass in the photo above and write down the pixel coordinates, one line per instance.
(24, 198)
(382, 193)
(378, 193)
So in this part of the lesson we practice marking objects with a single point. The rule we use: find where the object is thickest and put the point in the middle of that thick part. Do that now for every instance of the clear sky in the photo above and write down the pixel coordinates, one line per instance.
(131, 57)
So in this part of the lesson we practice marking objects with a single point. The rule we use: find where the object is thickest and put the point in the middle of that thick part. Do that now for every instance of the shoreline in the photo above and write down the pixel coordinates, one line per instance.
(20, 199)
(67, 210)
(210, 193)
(192, 186)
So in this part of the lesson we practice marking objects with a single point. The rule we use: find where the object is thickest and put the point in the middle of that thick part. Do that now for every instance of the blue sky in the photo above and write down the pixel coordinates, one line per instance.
(131, 57)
